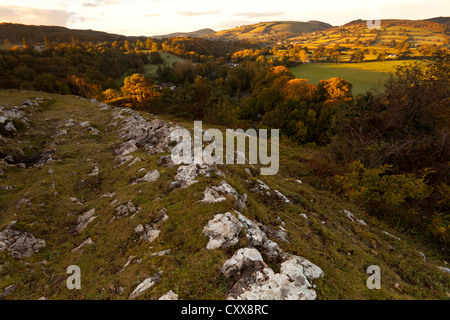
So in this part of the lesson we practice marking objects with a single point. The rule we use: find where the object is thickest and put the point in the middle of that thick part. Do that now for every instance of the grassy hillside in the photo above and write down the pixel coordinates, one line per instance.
(47, 200)
(274, 28)
(364, 76)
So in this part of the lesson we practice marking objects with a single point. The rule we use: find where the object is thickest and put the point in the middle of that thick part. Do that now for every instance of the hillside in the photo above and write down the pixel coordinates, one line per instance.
(198, 33)
(86, 184)
(274, 28)
(35, 34)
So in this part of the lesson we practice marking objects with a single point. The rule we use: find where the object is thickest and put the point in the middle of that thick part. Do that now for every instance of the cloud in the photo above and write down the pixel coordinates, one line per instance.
(260, 14)
(33, 16)
(193, 14)
(97, 3)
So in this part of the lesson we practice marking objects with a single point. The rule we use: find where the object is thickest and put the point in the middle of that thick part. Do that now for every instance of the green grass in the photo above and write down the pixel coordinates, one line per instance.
(364, 76)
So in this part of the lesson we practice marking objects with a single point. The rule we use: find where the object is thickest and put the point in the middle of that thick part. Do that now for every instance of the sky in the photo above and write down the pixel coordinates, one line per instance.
(157, 17)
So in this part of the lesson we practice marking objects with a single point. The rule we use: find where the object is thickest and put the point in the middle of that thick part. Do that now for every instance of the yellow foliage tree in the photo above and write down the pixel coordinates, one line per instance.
(139, 90)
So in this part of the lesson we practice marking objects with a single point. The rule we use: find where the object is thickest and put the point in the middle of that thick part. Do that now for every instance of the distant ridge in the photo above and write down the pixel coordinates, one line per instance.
(15, 33)
(198, 33)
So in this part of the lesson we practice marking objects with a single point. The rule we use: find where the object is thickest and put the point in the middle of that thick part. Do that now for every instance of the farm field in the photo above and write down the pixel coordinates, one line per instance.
(364, 76)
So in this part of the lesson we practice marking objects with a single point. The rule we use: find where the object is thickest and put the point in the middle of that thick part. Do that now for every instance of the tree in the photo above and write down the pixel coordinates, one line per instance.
(26, 44)
(140, 90)
(48, 44)
(357, 56)
(335, 89)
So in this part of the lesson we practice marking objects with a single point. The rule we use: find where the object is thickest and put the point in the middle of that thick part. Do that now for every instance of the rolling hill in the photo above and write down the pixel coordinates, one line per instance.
(274, 28)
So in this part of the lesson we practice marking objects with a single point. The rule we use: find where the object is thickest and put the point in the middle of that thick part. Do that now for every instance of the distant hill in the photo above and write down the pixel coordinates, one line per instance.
(16, 32)
(443, 20)
(274, 28)
(198, 33)
(431, 24)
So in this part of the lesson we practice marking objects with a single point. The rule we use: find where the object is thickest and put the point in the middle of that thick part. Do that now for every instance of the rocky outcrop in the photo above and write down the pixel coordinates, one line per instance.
(223, 231)
(20, 244)
(217, 194)
(256, 281)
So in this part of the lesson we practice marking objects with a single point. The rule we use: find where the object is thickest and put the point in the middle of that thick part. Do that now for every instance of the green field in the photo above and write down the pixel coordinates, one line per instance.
(150, 69)
(364, 76)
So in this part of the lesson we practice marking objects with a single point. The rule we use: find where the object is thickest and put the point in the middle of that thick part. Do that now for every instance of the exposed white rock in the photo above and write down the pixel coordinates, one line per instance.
(145, 285)
(242, 258)
(126, 148)
(256, 281)
(223, 231)
(309, 270)
(217, 194)
(126, 209)
(19, 243)
(262, 188)
(84, 220)
(149, 177)
(123, 159)
(352, 217)
(10, 127)
(161, 253)
(169, 296)
(281, 196)
(136, 160)
(85, 243)
(95, 172)
(108, 195)
(391, 235)
(446, 270)
(150, 231)
(185, 176)
(299, 181)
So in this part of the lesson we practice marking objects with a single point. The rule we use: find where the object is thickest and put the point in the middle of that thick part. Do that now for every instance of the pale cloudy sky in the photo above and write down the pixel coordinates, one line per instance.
(152, 17)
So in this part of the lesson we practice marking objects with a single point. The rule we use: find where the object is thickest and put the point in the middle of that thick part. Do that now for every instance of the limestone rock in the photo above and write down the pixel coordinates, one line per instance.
(256, 281)
(149, 177)
(85, 243)
(217, 194)
(352, 217)
(8, 290)
(281, 196)
(169, 296)
(19, 243)
(126, 209)
(223, 231)
(84, 220)
(145, 285)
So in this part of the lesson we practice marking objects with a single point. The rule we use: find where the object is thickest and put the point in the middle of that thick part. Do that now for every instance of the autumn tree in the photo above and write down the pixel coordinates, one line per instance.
(140, 90)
